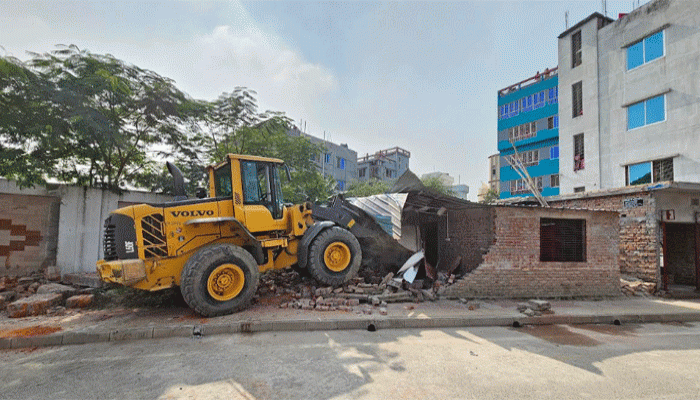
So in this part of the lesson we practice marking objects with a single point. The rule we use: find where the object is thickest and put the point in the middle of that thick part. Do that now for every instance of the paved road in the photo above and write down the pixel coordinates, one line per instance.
(550, 362)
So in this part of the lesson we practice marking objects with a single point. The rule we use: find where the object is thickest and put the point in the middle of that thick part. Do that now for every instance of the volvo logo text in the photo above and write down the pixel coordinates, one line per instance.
(195, 213)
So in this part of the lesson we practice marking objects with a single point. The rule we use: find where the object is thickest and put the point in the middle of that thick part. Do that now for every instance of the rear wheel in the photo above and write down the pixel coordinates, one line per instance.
(334, 256)
(219, 279)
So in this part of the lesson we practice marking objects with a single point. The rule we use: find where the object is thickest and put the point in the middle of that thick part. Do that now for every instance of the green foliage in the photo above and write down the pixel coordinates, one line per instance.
(490, 196)
(366, 188)
(94, 120)
(86, 119)
(437, 185)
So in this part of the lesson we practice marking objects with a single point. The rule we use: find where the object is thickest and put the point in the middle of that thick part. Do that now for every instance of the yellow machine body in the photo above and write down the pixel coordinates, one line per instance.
(147, 246)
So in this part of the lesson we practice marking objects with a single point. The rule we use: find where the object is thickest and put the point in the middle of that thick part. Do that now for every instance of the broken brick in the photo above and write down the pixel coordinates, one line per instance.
(37, 304)
(80, 301)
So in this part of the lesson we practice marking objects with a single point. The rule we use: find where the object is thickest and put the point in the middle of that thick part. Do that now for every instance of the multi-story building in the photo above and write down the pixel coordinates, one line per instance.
(337, 160)
(629, 106)
(495, 173)
(629, 134)
(528, 123)
(385, 165)
(443, 177)
(460, 191)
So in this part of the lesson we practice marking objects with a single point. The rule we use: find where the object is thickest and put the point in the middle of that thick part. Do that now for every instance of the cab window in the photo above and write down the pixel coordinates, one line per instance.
(222, 181)
(251, 187)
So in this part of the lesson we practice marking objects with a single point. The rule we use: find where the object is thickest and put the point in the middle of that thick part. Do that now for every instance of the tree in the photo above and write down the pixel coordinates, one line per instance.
(232, 124)
(490, 196)
(437, 185)
(366, 188)
(101, 119)
(27, 125)
(94, 120)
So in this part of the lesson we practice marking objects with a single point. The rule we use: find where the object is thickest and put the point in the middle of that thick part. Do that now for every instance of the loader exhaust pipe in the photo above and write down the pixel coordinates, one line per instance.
(178, 181)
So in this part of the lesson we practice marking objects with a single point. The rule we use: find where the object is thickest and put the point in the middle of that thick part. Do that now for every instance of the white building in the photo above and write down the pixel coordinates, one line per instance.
(629, 104)
(443, 177)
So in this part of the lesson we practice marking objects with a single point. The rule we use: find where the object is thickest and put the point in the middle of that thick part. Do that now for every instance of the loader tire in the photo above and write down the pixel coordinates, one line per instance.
(334, 256)
(303, 272)
(219, 279)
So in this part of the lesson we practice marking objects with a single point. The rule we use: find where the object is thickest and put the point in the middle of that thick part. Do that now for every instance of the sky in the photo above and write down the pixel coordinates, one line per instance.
(423, 76)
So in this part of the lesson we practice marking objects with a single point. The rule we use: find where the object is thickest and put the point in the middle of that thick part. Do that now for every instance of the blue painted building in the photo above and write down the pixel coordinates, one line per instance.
(528, 118)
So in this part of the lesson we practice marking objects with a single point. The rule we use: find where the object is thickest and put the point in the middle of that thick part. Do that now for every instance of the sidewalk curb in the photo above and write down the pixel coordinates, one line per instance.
(168, 331)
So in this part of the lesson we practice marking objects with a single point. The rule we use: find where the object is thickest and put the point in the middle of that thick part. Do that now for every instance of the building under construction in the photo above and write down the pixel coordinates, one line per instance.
(384, 165)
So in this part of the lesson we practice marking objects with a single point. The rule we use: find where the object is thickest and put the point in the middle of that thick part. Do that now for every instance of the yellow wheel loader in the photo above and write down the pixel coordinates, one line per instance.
(214, 247)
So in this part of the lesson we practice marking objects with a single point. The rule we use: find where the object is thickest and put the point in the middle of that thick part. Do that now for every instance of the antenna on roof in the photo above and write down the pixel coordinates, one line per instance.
(566, 20)
(605, 8)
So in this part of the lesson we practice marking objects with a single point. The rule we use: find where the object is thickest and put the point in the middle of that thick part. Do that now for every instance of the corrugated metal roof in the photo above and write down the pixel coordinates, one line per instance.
(387, 205)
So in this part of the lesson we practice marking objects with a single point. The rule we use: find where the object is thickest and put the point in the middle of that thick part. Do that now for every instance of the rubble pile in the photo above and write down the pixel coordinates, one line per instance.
(37, 295)
(535, 308)
(361, 295)
(630, 286)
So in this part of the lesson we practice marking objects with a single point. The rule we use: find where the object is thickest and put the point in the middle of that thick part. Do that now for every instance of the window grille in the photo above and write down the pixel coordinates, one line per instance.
(562, 240)
(554, 180)
(576, 52)
(577, 99)
(649, 171)
(579, 159)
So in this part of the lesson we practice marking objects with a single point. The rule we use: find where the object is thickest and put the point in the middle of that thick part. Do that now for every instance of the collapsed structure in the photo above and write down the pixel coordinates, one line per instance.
(499, 250)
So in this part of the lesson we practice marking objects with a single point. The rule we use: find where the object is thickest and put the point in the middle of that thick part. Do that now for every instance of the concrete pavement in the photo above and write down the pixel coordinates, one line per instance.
(630, 361)
(119, 324)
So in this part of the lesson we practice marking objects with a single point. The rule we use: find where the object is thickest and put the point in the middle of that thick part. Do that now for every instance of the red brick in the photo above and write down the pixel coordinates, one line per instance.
(80, 301)
(37, 304)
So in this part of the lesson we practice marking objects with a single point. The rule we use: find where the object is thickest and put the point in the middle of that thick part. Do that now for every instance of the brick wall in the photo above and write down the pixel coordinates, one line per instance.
(512, 266)
(28, 233)
(639, 230)
(471, 233)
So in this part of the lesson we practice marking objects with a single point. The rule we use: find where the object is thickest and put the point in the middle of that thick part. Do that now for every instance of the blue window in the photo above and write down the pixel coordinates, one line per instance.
(527, 103)
(342, 163)
(341, 185)
(328, 158)
(553, 96)
(646, 112)
(539, 99)
(638, 174)
(513, 109)
(648, 49)
(554, 152)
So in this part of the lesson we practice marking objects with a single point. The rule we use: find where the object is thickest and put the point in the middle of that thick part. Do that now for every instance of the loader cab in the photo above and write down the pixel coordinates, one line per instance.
(253, 184)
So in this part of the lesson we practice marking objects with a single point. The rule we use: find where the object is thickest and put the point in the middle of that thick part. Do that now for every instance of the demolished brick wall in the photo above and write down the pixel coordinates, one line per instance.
(28, 233)
(512, 266)
(471, 233)
(639, 230)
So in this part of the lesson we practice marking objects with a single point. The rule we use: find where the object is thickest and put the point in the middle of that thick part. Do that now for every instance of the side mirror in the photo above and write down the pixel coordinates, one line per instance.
(200, 193)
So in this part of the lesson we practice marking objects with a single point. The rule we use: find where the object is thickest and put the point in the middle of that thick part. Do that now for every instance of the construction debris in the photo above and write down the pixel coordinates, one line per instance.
(630, 286)
(358, 295)
(535, 308)
(37, 304)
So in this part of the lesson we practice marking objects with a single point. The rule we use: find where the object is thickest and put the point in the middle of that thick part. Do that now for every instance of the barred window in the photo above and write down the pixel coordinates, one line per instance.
(522, 132)
(579, 162)
(562, 240)
(577, 99)
(554, 180)
(649, 172)
(518, 186)
(576, 52)
(530, 158)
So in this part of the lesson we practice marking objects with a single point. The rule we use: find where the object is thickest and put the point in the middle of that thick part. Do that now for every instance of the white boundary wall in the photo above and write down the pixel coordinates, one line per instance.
(81, 217)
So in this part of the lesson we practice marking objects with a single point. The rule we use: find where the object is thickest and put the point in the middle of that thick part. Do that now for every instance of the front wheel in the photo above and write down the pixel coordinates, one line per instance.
(334, 256)
(219, 279)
